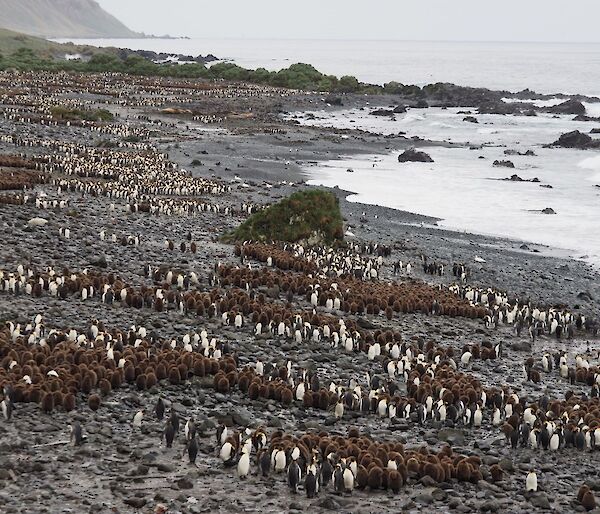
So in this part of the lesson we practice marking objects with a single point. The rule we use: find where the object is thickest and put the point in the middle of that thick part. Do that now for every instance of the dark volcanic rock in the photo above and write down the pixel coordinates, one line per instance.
(412, 155)
(399, 109)
(548, 210)
(382, 112)
(576, 139)
(568, 107)
(528, 153)
(504, 164)
(517, 178)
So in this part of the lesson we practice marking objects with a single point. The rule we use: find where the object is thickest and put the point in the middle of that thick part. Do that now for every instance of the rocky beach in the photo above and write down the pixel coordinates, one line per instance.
(118, 293)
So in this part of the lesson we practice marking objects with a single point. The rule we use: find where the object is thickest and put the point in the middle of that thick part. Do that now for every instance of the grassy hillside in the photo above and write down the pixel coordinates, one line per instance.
(312, 216)
(11, 41)
(61, 18)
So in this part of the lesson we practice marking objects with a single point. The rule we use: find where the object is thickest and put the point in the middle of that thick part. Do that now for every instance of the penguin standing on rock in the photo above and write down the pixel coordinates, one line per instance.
(294, 476)
(137, 419)
(192, 450)
(243, 467)
(531, 482)
(169, 434)
(76, 434)
(7, 408)
(159, 410)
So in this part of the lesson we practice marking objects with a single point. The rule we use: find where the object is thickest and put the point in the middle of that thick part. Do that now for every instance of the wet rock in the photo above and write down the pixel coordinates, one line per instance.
(576, 139)
(470, 119)
(504, 164)
(382, 112)
(184, 483)
(548, 210)
(452, 436)
(568, 107)
(329, 503)
(136, 503)
(540, 500)
(412, 155)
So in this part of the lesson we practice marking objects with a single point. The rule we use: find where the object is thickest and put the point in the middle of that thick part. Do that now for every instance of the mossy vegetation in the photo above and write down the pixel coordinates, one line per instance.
(64, 113)
(311, 216)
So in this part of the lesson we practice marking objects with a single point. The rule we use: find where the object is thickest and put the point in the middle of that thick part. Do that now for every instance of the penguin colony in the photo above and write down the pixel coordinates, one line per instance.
(339, 300)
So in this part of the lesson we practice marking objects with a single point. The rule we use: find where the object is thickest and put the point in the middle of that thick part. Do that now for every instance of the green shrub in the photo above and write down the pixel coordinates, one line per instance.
(311, 215)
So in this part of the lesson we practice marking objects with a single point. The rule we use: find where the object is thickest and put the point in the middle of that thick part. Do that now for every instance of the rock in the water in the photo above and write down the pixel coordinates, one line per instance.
(470, 119)
(412, 155)
(382, 112)
(548, 210)
(568, 107)
(504, 164)
(576, 139)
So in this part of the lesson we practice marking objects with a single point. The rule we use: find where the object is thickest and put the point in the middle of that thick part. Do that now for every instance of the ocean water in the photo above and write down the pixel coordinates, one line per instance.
(461, 187)
(543, 67)
(464, 189)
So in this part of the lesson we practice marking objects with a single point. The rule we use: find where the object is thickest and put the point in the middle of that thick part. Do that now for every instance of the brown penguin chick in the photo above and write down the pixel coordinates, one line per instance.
(374, 479)
(223, 385)
(463, 471)
(395, 481)
(254, 390)
(413, 465)
(308, 399)
(323, 399)
(47, 402)
(362, 477)
(94, 402)
(286, 396)
(69, 402)
(105, 387)
(588, 501)
(116, 379)
(582, 490)
(174, 375)
(140, 382)
(496, 473)
(151, 380)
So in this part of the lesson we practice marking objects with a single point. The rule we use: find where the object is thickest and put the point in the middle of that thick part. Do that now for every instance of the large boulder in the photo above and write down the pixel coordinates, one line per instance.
(568, 107)
(576, 139)
(412, 155)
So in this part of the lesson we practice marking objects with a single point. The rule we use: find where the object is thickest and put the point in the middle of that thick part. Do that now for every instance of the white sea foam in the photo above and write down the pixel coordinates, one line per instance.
(592, 109)
(457, 186)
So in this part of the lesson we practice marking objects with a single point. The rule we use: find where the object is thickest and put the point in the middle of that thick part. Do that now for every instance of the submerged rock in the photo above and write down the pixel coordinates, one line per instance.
(412, 155)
